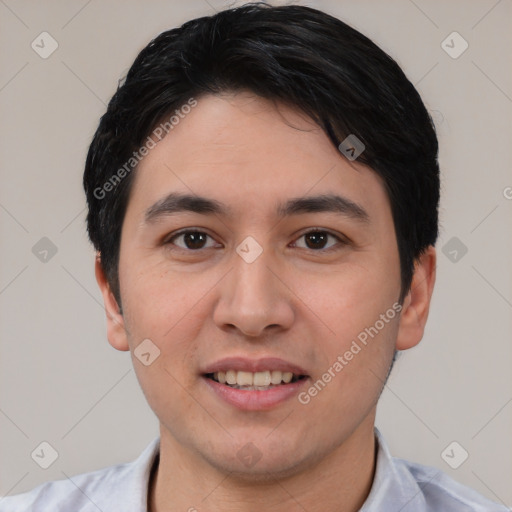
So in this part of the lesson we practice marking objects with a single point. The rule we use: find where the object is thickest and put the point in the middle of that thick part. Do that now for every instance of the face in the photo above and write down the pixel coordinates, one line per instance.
(287, 268)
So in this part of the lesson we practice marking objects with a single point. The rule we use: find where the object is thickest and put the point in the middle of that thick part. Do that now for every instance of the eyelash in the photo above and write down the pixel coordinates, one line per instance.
(169, 240)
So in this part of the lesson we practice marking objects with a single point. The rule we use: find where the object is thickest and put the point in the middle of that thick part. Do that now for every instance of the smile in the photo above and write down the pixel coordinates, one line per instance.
(254, 381)
(254, 384)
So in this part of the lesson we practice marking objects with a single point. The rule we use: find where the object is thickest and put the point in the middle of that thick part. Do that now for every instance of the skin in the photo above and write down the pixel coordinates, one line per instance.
(295, 301)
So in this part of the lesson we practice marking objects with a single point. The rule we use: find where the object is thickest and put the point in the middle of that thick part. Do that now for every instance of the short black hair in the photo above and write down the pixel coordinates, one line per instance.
(293, 54)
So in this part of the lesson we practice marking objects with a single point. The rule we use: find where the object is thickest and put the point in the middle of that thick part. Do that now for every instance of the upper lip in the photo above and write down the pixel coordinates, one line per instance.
(245, 364)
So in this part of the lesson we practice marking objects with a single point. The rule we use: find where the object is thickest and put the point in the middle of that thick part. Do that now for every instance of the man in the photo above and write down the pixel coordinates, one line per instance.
(263, 194)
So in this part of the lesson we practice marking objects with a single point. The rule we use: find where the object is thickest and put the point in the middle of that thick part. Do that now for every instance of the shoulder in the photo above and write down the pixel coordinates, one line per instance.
(120, 487)
(76, 493)
(438, 491)
(407, 486)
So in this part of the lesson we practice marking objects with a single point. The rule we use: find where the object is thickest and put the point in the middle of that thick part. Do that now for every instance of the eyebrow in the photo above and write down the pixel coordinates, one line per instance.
(329, 203)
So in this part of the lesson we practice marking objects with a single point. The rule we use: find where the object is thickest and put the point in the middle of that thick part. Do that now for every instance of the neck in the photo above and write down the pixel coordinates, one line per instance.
(340, 482)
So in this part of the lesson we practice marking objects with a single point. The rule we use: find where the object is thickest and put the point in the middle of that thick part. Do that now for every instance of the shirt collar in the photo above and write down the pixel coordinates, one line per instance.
(393, 485)
(130, 490)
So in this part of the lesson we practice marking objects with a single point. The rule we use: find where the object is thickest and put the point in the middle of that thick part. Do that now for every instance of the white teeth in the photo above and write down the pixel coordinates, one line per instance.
(244, 378)
(262, 379)
(287, 377)
(256, 379)
(276, 377)
(231, 377)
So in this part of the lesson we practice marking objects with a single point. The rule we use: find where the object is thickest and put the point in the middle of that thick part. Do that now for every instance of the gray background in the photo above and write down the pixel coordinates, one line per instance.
(61, 381)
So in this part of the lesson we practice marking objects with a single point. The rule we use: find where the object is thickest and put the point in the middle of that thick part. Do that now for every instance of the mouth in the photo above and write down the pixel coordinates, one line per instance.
(255, 381)
(253, 385)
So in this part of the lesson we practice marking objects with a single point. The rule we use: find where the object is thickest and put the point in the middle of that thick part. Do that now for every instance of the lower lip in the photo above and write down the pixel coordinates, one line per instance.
(256, 400)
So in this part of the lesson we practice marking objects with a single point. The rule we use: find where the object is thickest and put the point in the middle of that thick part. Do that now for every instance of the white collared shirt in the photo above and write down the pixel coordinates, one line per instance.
(398, 486)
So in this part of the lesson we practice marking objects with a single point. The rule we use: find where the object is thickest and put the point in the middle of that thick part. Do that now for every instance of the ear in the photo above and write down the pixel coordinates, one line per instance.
(116, 332)
(417, 302)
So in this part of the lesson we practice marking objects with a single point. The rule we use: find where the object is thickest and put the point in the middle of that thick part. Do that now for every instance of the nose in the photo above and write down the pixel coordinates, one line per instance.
(254, 298)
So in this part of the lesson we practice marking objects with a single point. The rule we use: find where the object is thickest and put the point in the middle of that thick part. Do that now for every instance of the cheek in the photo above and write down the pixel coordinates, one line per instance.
(156, 299)
(168, 308)
(350, 382)
(163, 310)
(348, 299)
(357, 320)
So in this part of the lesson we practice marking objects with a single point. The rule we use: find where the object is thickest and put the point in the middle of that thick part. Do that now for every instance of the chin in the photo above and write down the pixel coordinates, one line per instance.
(251, 465)
(260, 473)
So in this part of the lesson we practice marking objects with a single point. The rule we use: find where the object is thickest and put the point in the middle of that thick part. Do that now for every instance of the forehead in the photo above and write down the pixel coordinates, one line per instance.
(246, 151)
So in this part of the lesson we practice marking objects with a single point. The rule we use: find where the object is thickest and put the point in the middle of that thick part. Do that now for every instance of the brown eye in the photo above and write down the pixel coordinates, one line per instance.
(317, 240)
(191, 240)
